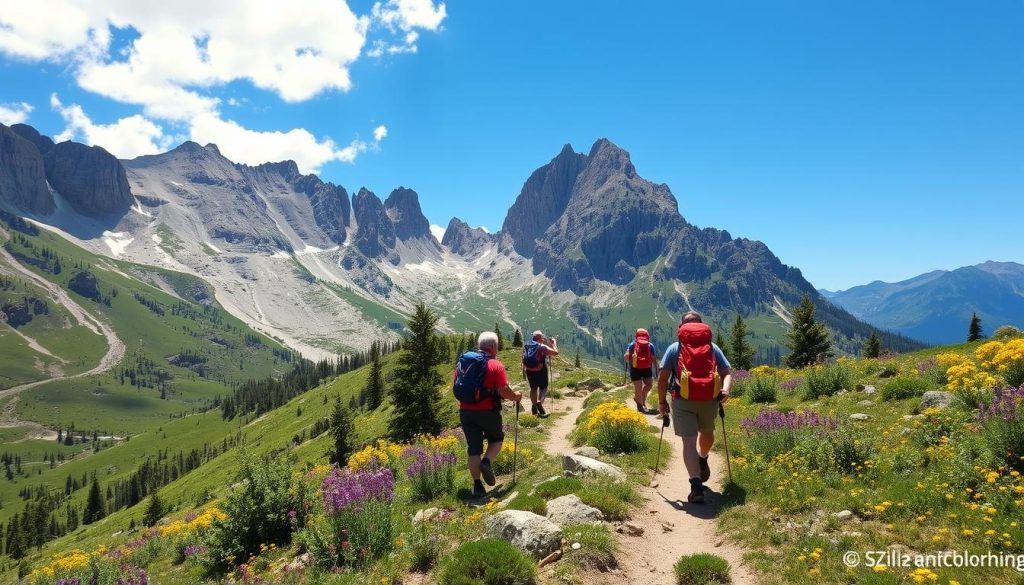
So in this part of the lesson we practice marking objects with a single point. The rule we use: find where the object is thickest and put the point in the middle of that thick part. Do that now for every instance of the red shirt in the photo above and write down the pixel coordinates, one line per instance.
(494, 378)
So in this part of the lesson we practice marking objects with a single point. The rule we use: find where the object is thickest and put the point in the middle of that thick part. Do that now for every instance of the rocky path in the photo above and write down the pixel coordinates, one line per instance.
(671, 527)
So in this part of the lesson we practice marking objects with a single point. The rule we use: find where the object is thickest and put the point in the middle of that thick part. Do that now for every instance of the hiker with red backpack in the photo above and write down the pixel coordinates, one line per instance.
(480, 384)
(535, 369)
(699, 376)
(641, 363)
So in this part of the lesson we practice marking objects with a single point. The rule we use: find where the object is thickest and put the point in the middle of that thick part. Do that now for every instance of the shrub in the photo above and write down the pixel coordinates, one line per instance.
(502, 464)
(763, 389)
(357, 526)
(901, 388)
(561, 486)
(597, 546)
(701, 569)
(257, 512)
(529, 421)
(425, 546)
(1002, 426)
(849, 451)
(488, 562)
(535, 504)
(613, 427)
(772, 433)
(827, 380)
(1006, 333)
(431, 474)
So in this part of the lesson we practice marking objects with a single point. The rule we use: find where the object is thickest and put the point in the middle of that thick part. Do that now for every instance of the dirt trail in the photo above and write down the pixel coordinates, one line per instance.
(672, 527)
(115, 347)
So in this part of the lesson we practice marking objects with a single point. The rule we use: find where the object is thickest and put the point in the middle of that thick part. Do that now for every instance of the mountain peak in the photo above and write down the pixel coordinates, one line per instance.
(607, 155)
(403, 208)
(464, 240)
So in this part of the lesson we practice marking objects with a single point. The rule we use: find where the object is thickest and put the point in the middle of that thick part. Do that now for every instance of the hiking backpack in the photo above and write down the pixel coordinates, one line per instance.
(642, 357)
(469, 377)
(531, 355)
(697, 369)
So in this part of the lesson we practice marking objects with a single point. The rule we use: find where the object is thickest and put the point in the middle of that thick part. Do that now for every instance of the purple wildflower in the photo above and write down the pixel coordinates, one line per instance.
(792, 384)
(429, 463)
(740, 375)
(767, 421)
(1007, 404)
(343, 488)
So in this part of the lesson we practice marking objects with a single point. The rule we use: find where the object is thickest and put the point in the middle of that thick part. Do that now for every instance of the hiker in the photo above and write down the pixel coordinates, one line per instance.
(696, 393)
(535, 367)
(641, 364)
(480, 384)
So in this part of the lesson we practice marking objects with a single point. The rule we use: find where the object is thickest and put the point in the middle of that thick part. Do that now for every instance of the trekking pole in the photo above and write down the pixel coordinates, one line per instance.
(515, 445)
(657, 457)
(725, 439)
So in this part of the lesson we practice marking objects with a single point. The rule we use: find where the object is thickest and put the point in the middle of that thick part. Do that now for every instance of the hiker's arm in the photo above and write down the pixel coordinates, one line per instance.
(663, 375)
(553, 348)
(508, 393)
(726, 374)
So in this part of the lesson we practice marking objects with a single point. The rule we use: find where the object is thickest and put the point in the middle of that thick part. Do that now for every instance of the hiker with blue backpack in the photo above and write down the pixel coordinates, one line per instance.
(699, 376)
(642, 365)
(535, 369)
(480, 384)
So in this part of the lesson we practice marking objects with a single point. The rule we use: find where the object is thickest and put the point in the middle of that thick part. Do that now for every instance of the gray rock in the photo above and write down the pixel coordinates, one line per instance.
(464, 240)
(570, 509)
(578, 465)
(425, 515)
(936, 399)
(532, 533)
(403, 208)
(89, 177)
(630, 528)
(588, 451)
(22, 171)
(590, 385)
(869, 390)
(844, 516)
(860, 416)
(85, 284)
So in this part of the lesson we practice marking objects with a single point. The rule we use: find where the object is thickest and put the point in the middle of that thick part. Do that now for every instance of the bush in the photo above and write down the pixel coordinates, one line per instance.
(554, 488)
(488, 561)
(425, 546)
(528, 421)
(763, 389)
(827, 380)
(1007, 332)
(535, 504)
(597, 546)
(1002, 426)
(431, 474)
(849, 451)
(901, 388)
(612, 498)
(613, 427)
(771, 432)
(701, 569)
(258, 510)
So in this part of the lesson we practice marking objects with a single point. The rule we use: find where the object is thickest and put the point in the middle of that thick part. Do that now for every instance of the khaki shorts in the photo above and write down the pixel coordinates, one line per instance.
(691, 416)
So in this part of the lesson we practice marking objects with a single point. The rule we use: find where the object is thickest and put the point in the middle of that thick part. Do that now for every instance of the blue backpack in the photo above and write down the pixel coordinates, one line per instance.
(469, 377)
(531, 359)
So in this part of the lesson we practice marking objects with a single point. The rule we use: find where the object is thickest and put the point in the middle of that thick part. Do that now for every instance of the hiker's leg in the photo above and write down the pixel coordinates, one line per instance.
(684, 422)
(646, 391)
(474, 467)
(494, 431)
(493, 448)
(690, 457)
(474, 441)
(707, 412)
(638, 392)
(705, 440)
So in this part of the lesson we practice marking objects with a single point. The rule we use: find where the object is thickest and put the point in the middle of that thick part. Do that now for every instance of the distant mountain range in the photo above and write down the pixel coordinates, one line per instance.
(589, 250)
(936, 307)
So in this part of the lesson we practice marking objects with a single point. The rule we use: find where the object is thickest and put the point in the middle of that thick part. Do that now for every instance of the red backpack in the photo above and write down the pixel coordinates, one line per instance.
(697, 370)
(642, 358)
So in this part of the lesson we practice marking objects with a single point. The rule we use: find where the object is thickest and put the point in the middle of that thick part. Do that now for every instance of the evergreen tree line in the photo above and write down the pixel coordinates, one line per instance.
(153, 306)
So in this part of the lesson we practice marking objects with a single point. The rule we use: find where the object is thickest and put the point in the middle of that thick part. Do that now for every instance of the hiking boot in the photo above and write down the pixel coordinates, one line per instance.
(705, 469)
(534, 409)
(540, 410)
(696, 491)
(641, 409)
(478, 489)
(486, 471)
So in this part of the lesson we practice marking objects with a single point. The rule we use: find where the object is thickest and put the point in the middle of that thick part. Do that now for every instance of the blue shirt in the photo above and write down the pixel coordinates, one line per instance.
(671, 360)
(654, 352)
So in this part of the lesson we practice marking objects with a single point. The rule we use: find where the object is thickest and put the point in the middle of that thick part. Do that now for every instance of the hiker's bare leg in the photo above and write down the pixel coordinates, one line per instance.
(534, 394)
(474, 467)
(704, 443)
(638, 392)
(492, 450)
(648, 384)
(690, 456)
(543, 394)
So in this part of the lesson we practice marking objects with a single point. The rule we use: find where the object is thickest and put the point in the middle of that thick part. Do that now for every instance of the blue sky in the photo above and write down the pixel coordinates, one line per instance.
(859, 140)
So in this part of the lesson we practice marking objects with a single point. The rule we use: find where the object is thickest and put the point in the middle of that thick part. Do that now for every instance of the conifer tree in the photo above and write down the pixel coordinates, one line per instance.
(720, 342)
(95, 508)
(341, 433)
(414, 391)
(374, 389)
(501, 338)
(577, 363)
(974, 331)
(872, 346)
(741, 354)
(154, 510)
(807, 339)
(517, 339)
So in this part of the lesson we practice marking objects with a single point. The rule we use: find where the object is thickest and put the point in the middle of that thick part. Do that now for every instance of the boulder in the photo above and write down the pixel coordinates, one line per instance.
(588, 451)
(425, 515)
(865, 388)
(860, 416)
(630, 528)
(590, 384)
(570, 509)
(525, 530)
(936, 399)
(85, 284)
(578, 465)
(844, 516)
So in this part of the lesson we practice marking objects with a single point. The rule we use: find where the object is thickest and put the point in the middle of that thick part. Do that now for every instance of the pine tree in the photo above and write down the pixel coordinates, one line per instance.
(974, 331)
(872, 346)
(374, 389)
(517, 339)
(722, 345)
(341, 433)
(95, 508)
(501, 338)
(577, 363)
(807, 339)
(414, 392)
(154, 510)
(741, 354)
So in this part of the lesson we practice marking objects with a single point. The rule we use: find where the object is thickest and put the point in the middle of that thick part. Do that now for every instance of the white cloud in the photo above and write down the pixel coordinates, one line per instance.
(380, 133)
(18, 112)
(437, 230)
(126, 138)
(410, 14)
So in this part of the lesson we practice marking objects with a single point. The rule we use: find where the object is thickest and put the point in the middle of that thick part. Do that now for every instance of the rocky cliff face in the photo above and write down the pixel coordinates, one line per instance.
(331, 207)
(90, 178)
(376, 235)
(23, 174)
(403, 208)
(464, 240)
